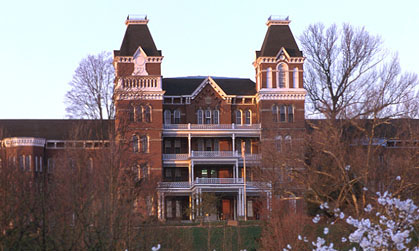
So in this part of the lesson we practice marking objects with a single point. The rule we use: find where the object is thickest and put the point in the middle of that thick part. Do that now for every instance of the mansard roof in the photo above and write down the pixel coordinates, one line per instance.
(187, 85)
(54, 129)
(276, 37)
(138, 35)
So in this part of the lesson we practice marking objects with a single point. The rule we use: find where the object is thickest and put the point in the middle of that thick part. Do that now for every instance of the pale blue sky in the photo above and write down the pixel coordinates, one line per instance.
(43, 41)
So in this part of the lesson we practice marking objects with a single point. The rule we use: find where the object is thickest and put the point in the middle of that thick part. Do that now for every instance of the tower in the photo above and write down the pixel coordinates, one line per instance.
(139, 97)
(279, 81)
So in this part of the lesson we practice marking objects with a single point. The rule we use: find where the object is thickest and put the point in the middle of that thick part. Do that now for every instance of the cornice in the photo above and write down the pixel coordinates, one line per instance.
(23, 141)
(139, 95)
(283, 94)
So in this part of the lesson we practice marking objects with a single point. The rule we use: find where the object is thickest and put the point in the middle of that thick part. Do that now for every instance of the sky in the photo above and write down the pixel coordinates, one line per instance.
(42, 42)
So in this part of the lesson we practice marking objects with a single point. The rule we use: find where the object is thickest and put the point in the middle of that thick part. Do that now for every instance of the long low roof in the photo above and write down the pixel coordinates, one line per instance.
(54, 129)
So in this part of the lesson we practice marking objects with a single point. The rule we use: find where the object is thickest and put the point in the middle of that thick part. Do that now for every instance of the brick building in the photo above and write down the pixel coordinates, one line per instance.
(194, 135)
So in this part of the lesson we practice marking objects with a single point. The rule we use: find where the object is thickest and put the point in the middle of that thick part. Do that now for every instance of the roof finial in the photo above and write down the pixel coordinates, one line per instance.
(278, 20)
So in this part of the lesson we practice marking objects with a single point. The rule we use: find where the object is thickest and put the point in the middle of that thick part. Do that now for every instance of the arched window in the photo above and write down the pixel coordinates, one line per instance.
(176, 117)
(295, 78)
(290, 114)
(248, 117)
(238, 117)
(147, 114)
(269, 78)
(144, 144)
(288, 141)
(282, 113)
(139, 113)
(275, 113)
(167, 117)
(135, 143)
(207, 116)
(200, 116)
(216, 117)
(282, 76)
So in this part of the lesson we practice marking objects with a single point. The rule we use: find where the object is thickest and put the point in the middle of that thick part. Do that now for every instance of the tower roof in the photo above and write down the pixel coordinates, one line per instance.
(279, 35)
(137, 34)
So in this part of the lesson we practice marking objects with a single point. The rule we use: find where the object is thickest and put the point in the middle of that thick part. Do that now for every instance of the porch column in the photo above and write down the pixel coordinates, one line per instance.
(159, 210)
(200, 202)
(239, 201)
(233, 137)
(189, 144)
(191, 217)
(163, 207)
(192, 172)
(236, 168)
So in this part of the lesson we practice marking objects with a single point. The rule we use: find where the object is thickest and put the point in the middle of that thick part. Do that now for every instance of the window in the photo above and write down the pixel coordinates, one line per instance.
(250, 208)
(144, 171)
(147, 114)
(282, 75)
(295, 78)
(278, 143)
(36, 164)
(207, 116)
(208, 145)
(216, 117)
(50, 165)
(28, 163)
(282, 113)
(90, 165)
(200, 145)
(238, 117)
(21, 162)
(167, 117)
(200, 117)
(131, 114)
(177, 117)
(167, 146)
(288, 141)
(135, 143)
(275, 113)
(169, 209)
(248, 146)
(40, 164)
(216, 145)
(290, 114)
(177, 146)
(139, 113)
(144, 144)
(269, 78)
(168, 173)
(248, 117)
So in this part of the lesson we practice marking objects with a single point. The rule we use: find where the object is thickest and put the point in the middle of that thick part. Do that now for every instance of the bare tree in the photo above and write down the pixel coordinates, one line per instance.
(91, 94)
(347, 74)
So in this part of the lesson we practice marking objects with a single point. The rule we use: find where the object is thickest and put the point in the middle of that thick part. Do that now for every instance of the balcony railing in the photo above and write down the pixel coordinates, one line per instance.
(144, 83)
(214, 154)
(177, 184)
(181, 156)
(210, 154)
(219, 181)
(211, 126)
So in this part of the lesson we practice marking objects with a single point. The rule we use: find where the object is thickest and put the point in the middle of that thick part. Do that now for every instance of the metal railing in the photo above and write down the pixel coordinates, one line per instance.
(214, 154)
(219, 181)
(211, 126)
(176, 184)
(179, 156)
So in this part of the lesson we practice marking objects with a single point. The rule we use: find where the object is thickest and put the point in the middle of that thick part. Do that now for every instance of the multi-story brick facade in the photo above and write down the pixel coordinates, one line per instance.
(186, 133)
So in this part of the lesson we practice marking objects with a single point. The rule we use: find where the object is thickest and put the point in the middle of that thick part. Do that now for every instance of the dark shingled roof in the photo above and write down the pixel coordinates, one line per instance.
(53, 129)
(276, 37)
(187, 85)
(138, 35)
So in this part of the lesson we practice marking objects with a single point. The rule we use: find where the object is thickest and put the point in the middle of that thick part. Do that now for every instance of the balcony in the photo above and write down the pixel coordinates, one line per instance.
(211, 155)
(214, 182)
(145, 83)
(218, 181)
(211, 129)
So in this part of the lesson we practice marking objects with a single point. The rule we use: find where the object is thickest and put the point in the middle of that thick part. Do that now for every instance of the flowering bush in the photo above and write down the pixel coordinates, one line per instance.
(388, 227)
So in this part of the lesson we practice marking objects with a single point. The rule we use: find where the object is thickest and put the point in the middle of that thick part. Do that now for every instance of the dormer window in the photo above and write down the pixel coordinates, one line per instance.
(216, 117)
(167, 117)
(207, 116)
(200, 116)
(176, 117)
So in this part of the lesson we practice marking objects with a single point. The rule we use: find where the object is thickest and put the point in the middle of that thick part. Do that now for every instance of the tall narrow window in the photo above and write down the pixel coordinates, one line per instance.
(169, 211)
(28, 163)
(278, 143)
(90, 165)
(200, 145)
(167, 117)
(248, 117)
(216, 145)
(282, 113)
(282, 75)
(167, 146)
(139, 113)
(50, 165)
(200, 116)
(295, 78)
(290, 114)
(238, 117)
(208, 145)
(147, 114)
(269, 78)
(135, 143)
(144, 171)
(216, 117)
(176, 117)
(131, 113)
(275, 113)
(177, 145)
(36, 164)
(144, 144)
(207, 116)
(40, 164)
(248, 146)
(21, 162)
